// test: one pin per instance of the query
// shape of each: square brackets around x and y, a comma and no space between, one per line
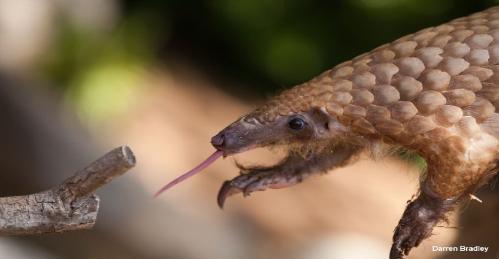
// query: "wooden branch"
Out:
[69,206]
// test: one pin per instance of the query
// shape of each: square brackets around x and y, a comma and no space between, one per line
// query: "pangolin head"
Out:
[300,116]
[297,115]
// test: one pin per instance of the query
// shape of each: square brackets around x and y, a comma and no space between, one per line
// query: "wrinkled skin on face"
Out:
[299,128]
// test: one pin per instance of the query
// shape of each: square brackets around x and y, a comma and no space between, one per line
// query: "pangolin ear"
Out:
[321,120]
[325,124]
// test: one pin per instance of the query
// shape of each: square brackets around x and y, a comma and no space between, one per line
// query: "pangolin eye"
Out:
[296,124]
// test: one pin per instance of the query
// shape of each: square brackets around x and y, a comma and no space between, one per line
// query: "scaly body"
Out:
[435,92]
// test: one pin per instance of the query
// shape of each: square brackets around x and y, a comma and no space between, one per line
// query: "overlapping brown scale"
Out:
[495,32]
[455,66]
[480,28]
[389,127]
[468,126]
[441,40]
[341,85]
[493,24]
[494,54]
[466,81]
[490,92]
[460,97]
[324,97]
[341,72]
[438,134]
[377,113]
[461,35]
[477,20]
[385,95]
[365,80]
[481,109]
[482,73]
[431,56]
[479,41]
[354,111]
[478,57]
[363,126]
[403,111]
[434,79]
[493,12]
[384,72]
[411,66]
[383,56]
[362,66]
[495,74]
[456,49]
[447,115]
[306,102]
[362,97]
[404,48]
[408,87]
[428,101]
[424,37]
[334,109]
[444,28]
[420,124]
[341,97]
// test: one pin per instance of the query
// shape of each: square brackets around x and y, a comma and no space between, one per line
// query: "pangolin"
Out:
[434,92]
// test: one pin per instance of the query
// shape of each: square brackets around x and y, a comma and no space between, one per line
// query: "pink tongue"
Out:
[192,172]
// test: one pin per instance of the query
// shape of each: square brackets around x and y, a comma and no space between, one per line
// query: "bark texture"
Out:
[69,206]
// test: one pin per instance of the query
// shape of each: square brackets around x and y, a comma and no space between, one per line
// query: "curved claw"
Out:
[244,183]
[399,250]
[225,191]
[396,252]
[417,223]
[258,179]
[410,236]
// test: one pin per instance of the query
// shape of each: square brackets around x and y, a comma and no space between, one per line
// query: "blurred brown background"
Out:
[79,77]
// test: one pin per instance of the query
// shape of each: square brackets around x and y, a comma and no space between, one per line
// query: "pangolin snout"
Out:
[218,141]
[235,138]
[228,140]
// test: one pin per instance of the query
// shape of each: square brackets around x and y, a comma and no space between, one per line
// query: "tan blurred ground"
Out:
[169,128]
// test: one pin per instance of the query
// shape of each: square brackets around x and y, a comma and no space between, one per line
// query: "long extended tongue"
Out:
[192,172]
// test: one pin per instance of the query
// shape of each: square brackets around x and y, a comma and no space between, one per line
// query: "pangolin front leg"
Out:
[290,171]
[447,184]
[417,223]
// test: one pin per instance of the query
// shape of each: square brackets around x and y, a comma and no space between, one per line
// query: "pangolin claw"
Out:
[419,218]
[397,253]
[404,244]
[225,191]
[243,183]
[257,180]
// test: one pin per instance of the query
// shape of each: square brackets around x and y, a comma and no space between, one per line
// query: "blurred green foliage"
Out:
[268,45]
[98,71]
[276,44]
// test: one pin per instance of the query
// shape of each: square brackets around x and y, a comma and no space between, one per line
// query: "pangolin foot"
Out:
[417,223]
[256,180]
